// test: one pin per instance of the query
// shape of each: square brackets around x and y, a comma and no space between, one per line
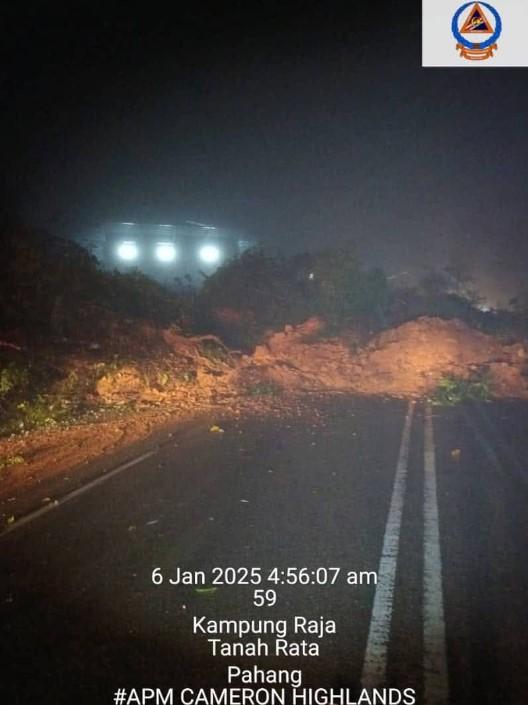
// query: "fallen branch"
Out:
[11,346]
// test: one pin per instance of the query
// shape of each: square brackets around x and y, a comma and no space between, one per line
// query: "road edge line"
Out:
[375,661]
[54,504]
[436,676]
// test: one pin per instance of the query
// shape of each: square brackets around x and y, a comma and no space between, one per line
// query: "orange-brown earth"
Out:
[407,361]
[186,376]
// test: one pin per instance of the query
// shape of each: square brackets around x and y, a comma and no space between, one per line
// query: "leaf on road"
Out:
[216,429]
[205,590]
[455,454]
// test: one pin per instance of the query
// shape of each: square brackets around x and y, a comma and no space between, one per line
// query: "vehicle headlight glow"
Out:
[128,251]
[165,252]
[209,254]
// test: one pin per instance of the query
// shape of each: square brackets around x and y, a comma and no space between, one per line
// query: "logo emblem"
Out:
[476,30]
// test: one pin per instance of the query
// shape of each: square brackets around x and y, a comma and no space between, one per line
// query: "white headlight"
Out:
[165,252]
[128,251]
[209,254]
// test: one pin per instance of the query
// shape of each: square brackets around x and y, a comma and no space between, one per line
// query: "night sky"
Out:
[306,126]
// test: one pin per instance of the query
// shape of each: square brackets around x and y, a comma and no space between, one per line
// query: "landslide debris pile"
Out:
[407,361]
[190,369]
[88,402]
[43,386]
[163,367]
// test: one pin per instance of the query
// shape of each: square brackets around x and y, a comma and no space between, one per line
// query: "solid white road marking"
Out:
[436,680]
[375,663]
[31,516]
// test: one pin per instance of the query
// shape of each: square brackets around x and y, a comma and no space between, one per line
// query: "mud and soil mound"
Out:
[167,376]
[407,361]
[180,368]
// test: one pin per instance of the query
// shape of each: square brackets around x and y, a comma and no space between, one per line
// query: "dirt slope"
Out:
[407,361]
[178,377]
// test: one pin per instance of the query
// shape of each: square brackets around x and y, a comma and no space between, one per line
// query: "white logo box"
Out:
[439,44]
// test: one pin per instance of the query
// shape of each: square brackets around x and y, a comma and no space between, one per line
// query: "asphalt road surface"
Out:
[431,500]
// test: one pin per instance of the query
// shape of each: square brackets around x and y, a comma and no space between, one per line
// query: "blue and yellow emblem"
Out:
[476,31]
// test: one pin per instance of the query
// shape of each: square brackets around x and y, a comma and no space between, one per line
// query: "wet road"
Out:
[433,501]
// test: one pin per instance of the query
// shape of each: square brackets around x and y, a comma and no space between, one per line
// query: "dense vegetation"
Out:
[53,287]
[54,296]
[55,301]
[259,292]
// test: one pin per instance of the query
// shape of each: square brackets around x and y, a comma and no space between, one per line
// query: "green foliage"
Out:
[11,460]
[35,393]
[453,390]
[518,316]
[101,369]
[214,350]
[268,292]
[134,295]
[345,294]
[162,379]
[51,285]
[13,377]
[440,294]
[41,411]
[453,280]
